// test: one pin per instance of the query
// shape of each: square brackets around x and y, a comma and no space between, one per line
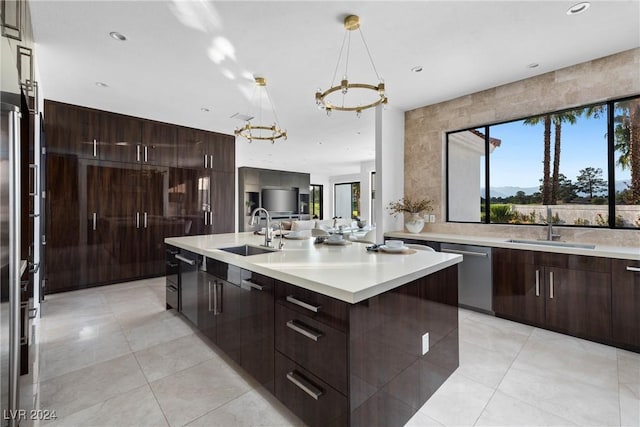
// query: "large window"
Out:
[577,167]
[316,201]
[347,200]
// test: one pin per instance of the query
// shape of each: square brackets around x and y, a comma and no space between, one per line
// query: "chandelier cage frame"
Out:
[248,131]
[351,23]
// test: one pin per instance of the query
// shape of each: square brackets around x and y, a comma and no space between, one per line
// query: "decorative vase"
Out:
[415,223]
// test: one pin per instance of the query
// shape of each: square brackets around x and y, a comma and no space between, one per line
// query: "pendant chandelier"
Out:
[376,93]
[261,132]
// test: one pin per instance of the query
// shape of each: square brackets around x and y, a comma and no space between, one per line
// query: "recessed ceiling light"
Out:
[118,36]
[417,69]
[204,110]
[578,8]
[533,65]
[100,84]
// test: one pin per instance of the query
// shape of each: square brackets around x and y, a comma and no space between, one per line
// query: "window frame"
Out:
[610,173]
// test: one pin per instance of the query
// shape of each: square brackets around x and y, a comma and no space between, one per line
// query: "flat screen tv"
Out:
[280,200]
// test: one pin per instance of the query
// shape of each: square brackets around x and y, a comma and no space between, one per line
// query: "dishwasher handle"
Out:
[470,253]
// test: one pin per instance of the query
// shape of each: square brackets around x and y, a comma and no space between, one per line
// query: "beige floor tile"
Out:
[503,410]
[173,356]
[581,402]
[157,328]
[458,402]
[485,366]
[494,337]
[86,387]
[421,420]
[628,367]
[630,405]
[136,408]
[191,393]
[250,409]
[61,358]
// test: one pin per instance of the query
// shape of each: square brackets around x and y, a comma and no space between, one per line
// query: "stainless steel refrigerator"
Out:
[10,263]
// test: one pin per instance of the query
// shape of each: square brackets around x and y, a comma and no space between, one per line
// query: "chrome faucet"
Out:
[267,231]
[550,234]
[281,244]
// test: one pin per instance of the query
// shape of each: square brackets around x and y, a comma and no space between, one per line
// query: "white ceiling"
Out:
[166,70]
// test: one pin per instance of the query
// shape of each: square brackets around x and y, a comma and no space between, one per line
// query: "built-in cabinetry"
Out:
[116,186]
[625,292]
[567,293]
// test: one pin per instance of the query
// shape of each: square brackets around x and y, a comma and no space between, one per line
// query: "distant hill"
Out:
[511,191]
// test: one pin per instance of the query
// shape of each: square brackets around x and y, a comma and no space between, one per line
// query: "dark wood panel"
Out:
[120,138]
[625,288]
[161,142]
[515,293]
[326,357]
[207,319]
[579,302]
[223,148]
[331,407]
[574,262]
[223,202]
[71,129]
[192,146]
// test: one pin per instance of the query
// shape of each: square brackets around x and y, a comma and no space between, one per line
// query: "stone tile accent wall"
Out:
[602,79]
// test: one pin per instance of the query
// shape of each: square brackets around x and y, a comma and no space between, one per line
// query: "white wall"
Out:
[389,168]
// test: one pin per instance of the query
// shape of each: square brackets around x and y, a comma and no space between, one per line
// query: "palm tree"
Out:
[559,118]
[626,140]
[546,175]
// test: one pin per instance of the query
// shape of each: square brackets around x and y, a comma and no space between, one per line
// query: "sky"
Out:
[517,162]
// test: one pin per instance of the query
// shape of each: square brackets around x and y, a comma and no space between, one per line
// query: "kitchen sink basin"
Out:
[246,250]
[551,243]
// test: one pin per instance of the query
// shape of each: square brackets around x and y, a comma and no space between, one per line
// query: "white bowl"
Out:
[335,237]
[394,243]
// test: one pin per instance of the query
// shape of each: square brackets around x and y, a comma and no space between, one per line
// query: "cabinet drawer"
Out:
[322,308]
[573,262]
[314,345]
[172,296]
[310,398]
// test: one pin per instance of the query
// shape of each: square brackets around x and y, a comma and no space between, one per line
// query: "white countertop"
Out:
[349,273]
[501,242]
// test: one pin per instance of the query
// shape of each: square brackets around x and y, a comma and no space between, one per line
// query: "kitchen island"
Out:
[357,338]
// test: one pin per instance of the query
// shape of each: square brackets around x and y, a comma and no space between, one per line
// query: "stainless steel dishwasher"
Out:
[475,290]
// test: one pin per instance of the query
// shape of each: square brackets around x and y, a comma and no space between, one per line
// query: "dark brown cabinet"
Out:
[206,150]
[566,293]
[625,290]
[114,193]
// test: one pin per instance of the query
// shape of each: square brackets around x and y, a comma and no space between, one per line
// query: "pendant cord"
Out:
[335,72]
[369,54]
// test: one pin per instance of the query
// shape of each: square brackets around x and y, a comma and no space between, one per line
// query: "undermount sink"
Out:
[246,250]
[551,243]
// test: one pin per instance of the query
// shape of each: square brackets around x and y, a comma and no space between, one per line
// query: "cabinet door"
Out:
[208,288]
[193,189]
[72,130]
[153,204]
[120,138]
[223,202]
[62,223]
[257,328]
[518,291]
[95,240]
[229,311]
[579,302]
[625,280]
[192,146]
[223,149]
[159,141]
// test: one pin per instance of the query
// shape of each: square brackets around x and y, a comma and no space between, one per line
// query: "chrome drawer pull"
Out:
[537,283]
[551,285]
[172,289]
[294,300]
[249,284]
[292,324]
[186,260]
[637,269]
[304,385]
